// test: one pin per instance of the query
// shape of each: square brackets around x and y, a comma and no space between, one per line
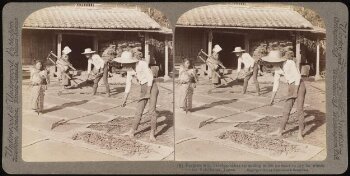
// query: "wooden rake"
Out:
[64,121]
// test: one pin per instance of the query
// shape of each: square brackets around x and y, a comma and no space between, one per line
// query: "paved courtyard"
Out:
[94,125]
[241,133]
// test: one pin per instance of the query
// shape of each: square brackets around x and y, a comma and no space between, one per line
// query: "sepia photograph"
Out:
[175,88]
[250,83]
[96,84]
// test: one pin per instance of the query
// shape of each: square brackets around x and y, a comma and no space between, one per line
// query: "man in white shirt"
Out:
[149,90]
[296,89]
[100,69]
[250,68]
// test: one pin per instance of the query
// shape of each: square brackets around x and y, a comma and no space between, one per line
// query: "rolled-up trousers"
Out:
[105,80]
[255,79]
[300,105]
[152,106]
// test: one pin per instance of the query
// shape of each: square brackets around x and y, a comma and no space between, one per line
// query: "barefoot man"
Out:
[100,70]
[250,68]
[296,89]
[149,90]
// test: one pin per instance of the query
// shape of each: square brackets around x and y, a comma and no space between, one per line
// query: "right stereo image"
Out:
[250,83]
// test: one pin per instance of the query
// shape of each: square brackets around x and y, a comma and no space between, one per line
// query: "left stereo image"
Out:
[96,84]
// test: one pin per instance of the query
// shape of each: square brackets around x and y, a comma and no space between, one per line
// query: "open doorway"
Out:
[77,43]
[228,42]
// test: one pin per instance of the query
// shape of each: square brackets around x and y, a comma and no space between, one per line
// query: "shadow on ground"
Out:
[168,122]
[319,120]
[65,105]
[217,103]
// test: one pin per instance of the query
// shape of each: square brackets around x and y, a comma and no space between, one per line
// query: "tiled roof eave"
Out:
[245,28]
[95,29]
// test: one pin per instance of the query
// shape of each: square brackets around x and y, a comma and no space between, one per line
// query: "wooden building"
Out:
[80,27]
[245,26]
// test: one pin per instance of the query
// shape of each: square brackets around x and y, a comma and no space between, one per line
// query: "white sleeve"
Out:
[292,71]
[296,74]
[128,82]
[249,58]
[276,81]
[89,66]
[239,65]
[31,74]
[149,74]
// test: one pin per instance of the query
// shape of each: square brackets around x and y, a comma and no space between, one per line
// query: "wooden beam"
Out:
[210,42]
[59,52]
[95,44]
[297,50]
[146,54]
[229,31]
[210,47]
[246,43]
[59,45]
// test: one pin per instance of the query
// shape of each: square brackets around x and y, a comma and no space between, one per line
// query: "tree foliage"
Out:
[310,15]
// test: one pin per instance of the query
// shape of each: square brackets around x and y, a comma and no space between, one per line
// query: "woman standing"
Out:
[63,64]
[187,82]
[214,65]
[39,80]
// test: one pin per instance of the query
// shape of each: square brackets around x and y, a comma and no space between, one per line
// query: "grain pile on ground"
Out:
[118,126]
[269,124]
[121,125]
[129,147]
[275,145]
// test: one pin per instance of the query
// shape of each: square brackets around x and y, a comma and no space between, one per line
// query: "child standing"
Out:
[187,81]
[39,80]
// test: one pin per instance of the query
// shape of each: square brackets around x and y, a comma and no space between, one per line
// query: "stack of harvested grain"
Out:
[263,47]
[260,51]
[115,48]
[159,45]
[109,53]
[133,46]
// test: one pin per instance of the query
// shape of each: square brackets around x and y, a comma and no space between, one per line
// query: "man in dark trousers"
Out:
[99,71]
[250,69]
[296,89]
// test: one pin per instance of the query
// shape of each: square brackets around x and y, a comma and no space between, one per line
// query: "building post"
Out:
[210,47]
[59,52]
[59,45]
[210,42]
[297,51]
[166,67]
[146,46]
[246,43]
[95,43]
[318,76]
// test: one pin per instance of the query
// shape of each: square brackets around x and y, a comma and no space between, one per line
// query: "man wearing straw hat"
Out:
[215,64]
[250,68]
[63,64]
[99,71]
[296,89]
[149,90]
